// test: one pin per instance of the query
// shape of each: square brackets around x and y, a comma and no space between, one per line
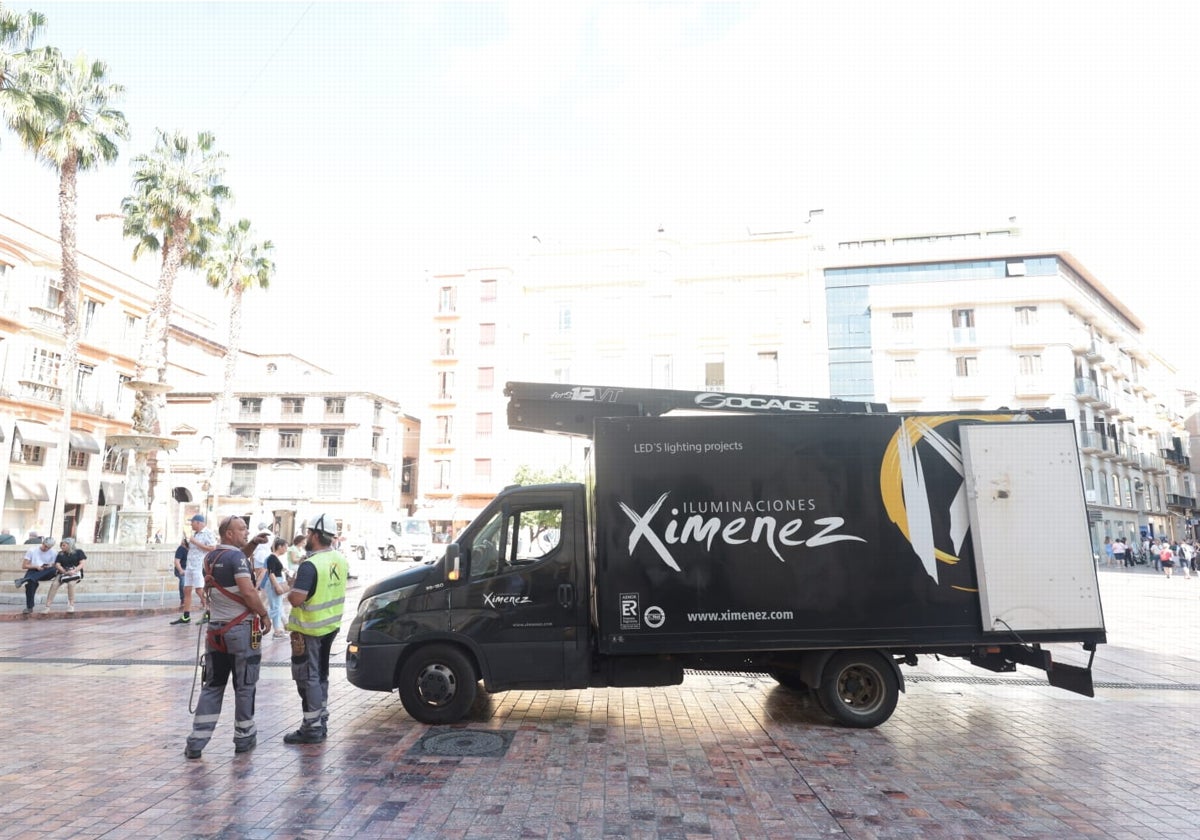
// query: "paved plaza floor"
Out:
[95,709]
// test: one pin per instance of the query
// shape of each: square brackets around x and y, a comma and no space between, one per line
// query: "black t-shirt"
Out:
[274,567]
[70,559]
[181,555]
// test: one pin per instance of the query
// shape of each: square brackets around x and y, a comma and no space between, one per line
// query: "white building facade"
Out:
[944,321]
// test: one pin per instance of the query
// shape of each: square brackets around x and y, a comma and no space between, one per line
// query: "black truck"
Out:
[823,543]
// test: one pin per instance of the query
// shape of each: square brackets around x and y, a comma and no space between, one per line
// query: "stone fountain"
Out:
[133,520]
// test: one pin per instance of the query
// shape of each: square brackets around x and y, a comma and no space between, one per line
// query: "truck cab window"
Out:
[522,538]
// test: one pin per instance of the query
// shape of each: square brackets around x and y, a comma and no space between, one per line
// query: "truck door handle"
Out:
[566,595]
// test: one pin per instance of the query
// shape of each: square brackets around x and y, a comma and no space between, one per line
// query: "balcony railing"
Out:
[963,337]
[1152,463]
[1085,390]
[1098,443]
[1174,500]
[51,318]
[39,391]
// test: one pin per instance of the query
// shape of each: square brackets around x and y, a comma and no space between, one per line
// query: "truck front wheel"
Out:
[858,688]
[389,553]
[437,685]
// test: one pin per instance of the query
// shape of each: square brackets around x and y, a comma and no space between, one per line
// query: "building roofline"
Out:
[1064,256]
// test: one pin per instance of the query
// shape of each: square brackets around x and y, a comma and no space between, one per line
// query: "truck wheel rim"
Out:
[860,688]
[437,684]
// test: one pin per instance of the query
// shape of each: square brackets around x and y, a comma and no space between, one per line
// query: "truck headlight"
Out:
[378,602]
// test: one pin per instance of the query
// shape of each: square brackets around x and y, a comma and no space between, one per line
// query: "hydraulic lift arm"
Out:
[572,409]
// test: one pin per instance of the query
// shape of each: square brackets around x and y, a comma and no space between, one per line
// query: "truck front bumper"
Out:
[373,667]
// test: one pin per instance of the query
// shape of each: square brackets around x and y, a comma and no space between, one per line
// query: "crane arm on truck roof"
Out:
[572,409]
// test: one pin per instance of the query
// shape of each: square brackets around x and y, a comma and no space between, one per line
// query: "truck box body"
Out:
[752,533]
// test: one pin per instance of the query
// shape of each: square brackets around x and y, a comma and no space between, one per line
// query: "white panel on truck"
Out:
[1033,553]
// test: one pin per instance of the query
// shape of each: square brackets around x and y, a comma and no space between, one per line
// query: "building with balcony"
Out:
[460,467]
[34,387]
[296,440]
[995,324]
[297,436]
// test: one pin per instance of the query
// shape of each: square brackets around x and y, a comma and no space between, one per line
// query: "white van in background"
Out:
[409,538]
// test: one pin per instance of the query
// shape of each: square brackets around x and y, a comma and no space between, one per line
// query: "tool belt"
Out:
[215,636]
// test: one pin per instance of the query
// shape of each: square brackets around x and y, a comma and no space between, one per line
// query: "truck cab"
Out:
[506,604]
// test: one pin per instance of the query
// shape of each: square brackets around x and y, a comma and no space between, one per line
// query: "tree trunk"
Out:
[225,407]
[69,371]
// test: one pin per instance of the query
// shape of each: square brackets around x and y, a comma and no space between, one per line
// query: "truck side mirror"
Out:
[453,571]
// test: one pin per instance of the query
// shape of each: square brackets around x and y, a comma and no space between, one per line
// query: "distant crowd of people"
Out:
[1163,554]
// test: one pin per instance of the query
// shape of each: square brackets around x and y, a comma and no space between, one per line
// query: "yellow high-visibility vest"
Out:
[321,614]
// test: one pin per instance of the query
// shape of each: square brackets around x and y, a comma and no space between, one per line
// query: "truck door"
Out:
[524,600]
[1033,553]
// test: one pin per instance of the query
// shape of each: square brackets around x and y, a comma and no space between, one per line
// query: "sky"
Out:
[375,142]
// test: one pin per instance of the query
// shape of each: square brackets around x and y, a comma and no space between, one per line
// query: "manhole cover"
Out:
[463,742]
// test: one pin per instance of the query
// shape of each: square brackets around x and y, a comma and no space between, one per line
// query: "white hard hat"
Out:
[323,523]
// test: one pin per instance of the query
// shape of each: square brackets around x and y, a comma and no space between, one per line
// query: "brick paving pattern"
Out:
[96,711]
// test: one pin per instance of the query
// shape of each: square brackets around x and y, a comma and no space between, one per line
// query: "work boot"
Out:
[191,752]
[246,746]
[183,619]
[302,737]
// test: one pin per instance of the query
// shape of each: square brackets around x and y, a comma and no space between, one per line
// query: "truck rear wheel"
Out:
[390,552]
[858,688]
[437,685]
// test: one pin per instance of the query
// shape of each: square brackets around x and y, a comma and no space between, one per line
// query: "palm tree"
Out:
[17,32]
[174,208]
[20,64]
[72,131]
[238,263]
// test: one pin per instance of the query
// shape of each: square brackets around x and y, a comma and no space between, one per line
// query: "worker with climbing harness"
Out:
[317,596]
[233,638]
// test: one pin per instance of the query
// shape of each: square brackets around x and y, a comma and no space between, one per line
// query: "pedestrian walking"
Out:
[38,564]
[200,543]
[181,553]
[69,566]
[1108,551]
[1119,553]
[317,598]
[232,642]
[1166,557]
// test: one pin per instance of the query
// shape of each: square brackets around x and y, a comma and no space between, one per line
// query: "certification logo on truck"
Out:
[631,613]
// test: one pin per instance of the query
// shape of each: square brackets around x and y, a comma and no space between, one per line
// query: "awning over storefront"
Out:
[79,492]
[27,491]
[82,441]
[36,434]
[112,493]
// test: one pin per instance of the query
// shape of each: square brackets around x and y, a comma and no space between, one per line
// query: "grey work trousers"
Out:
[310,670]
[242,663]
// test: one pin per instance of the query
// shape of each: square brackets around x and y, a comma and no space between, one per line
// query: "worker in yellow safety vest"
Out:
[317,596]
